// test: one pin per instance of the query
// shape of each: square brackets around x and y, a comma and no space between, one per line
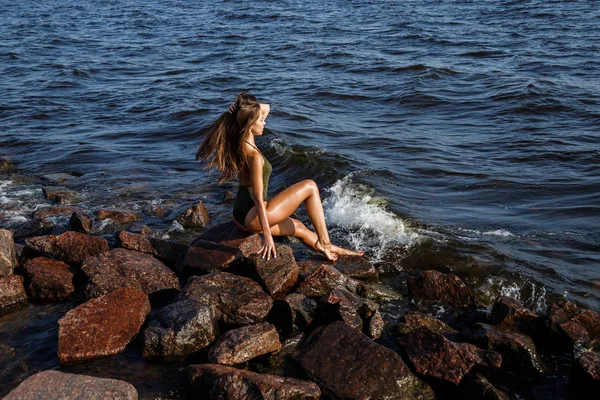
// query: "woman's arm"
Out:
[256,163]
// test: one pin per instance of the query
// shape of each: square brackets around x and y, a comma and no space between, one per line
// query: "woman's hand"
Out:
[268,248]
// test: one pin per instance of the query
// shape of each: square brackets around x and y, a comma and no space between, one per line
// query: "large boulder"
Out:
[277,275]
[195,216]
[180,328]
[56,211]
[70,247]
[432,355]
[117,215]
[415,319]
[55,385]
[8,254]
[121,267]
[352,266]
[436,287]
[60,194]
[228,234]
[33,227]
[239,300]
[323,280]
[12,293]
[204,257]
[509,314]
[165,250]
[215,382]
[102,326]
[243,344]
[348,365]
[48,279]
[570,325]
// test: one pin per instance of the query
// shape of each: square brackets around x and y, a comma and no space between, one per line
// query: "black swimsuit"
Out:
[244,201]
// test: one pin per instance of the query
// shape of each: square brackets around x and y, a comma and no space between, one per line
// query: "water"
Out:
[455,135]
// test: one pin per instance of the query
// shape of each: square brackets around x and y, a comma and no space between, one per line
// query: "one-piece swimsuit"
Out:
[244,201]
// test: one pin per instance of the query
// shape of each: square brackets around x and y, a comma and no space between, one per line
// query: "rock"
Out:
[55,385]
[12,293]
[180,328]
[243,344]
[60,194]
[414,319]
[377,292]
[102,326]
[352,266]
[121,267]
[80,223]
[302,310]
[509,314]
[440,288]
[8,254]
[58,178]
[477,387]
[206,257]
[228,234]
[56,211]
[33,227]
[322,280]
[240,300]
[585,374]
[117,215]
[215,381]
[165,250]
[6,165]
[194,217]
[283,360]
[228,196]
[277,275]
[518,352]
[70,247]
[570,325]
[432,355]
[48,279]
[357,312]
[348,365]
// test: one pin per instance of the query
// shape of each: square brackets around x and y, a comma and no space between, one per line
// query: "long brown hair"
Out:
[223,145]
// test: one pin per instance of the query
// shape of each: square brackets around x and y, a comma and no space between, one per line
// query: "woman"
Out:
[229,147]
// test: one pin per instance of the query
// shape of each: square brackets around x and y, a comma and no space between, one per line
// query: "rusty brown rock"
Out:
[414,319]
[357,312]
[278,275]
[195,216]
[55,385]
[440,288]
[352,266]
[431,354]
[80,223]
[205,257]
[117,215]
[56,211]
[70,247]
[240,300]
[60,194]
[228,234]
[325,278]
[348,365]
[571,325]
[585,374]
[302,310]
[48,279]
[165,250]
[121,268]
[243,344]
[509,314]
[12,292]
[216,381]
[228,196]
[8,254]
[102,326]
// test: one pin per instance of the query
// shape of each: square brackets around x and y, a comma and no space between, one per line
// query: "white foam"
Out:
[363,219]
[499,232]
[536,299]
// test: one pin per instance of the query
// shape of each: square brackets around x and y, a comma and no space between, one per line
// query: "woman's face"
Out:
[259,125]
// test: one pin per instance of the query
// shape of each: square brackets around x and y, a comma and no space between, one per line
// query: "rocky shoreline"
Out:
[238,326]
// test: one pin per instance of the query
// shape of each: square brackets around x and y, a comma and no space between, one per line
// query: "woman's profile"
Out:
[229,147]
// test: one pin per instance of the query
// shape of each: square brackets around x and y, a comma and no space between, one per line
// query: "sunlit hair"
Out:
[222,147]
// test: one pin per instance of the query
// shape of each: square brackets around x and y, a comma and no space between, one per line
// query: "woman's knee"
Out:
[310,185]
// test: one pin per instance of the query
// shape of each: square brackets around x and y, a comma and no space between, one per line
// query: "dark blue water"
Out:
[456,135]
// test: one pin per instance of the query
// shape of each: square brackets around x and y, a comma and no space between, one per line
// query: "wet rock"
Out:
[8,254]
[121,267]
[431,354]
[194,217]
[352,266]
[477,387]
[278,275]
[6,165]
[378,292]
[440,288]
[117,215]
[228,234]
[56,211]
[12,293]
[243,344]
[55,385]
[240,300]
[302,310]
[325,278]
[102,326]
[180,328]
[509,314]
[570,325]
[33,227]
[205,257]
[518,352]
[70,247]
[228,196]
[585,375]
[357,312]
[48,279]
[348,365]
[414,319]
[166,250]
[283,359]
[216,381]
[58,178]
[80,223]
[60,194]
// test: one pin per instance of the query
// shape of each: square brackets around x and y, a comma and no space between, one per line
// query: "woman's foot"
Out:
[346,252]
[325,249]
